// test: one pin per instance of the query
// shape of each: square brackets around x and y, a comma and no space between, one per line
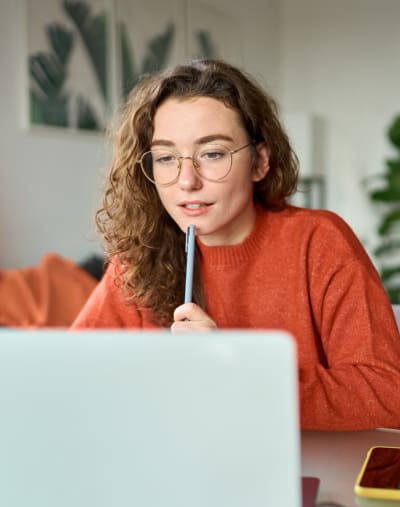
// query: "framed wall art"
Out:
[67,59]
[84,56]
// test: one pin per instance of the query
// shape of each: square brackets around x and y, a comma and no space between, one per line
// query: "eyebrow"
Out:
[200,141]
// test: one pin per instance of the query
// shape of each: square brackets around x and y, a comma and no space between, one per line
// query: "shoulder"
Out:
[312,220]
[316,230]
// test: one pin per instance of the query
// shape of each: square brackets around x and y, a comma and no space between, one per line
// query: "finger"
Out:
[182,326]
[189,311]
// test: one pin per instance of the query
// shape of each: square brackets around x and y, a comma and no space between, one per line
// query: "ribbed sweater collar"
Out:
[233,255]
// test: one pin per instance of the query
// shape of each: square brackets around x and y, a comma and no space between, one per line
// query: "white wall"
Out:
[338,61]
[341,62]
[49,181]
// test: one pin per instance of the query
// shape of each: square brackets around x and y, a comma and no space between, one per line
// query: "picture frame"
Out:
[67,63]
[83,57]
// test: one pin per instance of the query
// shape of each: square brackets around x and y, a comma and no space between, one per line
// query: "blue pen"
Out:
[190,247]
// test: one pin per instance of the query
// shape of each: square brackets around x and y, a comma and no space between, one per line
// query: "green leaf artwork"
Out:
[206,45]
[48,72]
[156,56]
[50,102]
[53,99]
[92,30]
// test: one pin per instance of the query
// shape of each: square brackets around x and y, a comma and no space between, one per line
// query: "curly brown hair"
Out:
[136,228]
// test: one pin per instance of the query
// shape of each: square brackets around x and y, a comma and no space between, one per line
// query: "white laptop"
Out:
[148,419]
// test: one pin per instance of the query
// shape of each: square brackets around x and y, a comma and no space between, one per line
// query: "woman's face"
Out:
[223,212]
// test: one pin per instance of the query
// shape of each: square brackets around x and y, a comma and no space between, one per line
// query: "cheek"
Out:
[244,181]
[164,196]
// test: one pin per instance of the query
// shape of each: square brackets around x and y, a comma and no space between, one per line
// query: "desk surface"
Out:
[336,458]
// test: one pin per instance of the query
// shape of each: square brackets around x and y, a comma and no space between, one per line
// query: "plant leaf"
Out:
[87,118]
[206,45]
[61,41]
[388,221]
[387,273]
[388,247]
[129,74]
[394,295]
[49,111]
[393,165]
[158,50]
[393,132]
[389,194]
[92,30]
[47,72]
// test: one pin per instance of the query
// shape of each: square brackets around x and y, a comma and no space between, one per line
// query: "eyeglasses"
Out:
[211,162]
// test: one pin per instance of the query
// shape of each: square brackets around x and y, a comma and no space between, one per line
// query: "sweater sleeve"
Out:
[355,383]
[106,308]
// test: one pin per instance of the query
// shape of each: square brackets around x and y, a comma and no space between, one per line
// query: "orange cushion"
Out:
[48,295]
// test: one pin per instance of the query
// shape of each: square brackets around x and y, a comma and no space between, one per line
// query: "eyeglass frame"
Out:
[195,165]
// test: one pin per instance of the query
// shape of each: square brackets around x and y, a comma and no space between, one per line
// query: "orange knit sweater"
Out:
[303,271]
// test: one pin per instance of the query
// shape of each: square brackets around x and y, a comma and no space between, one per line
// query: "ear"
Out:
[261,166]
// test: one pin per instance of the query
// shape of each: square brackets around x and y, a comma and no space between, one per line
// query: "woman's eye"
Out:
[212,154]
[164,159]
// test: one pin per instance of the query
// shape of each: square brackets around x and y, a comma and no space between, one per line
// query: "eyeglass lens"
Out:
[162,166]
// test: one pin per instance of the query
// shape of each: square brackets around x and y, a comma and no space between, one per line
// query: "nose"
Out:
[188,176]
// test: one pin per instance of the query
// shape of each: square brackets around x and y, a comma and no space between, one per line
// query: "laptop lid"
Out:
[149,419]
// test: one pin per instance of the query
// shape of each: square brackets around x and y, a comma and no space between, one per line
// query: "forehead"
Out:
[195,117]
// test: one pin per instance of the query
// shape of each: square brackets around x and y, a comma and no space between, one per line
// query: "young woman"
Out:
[202,144]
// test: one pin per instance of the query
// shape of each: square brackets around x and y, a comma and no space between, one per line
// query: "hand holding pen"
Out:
[189,316]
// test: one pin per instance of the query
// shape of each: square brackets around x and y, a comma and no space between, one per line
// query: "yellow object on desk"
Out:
[336,458]
[379,476]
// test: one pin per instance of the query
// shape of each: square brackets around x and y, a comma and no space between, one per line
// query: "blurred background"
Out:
[334,68]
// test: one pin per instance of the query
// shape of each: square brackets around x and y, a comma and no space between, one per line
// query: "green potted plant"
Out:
[388,195]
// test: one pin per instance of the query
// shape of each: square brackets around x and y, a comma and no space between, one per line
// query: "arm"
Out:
[106,308]
[355,383]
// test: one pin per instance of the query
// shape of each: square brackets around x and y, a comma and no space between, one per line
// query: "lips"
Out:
[194,208]
[194,205]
